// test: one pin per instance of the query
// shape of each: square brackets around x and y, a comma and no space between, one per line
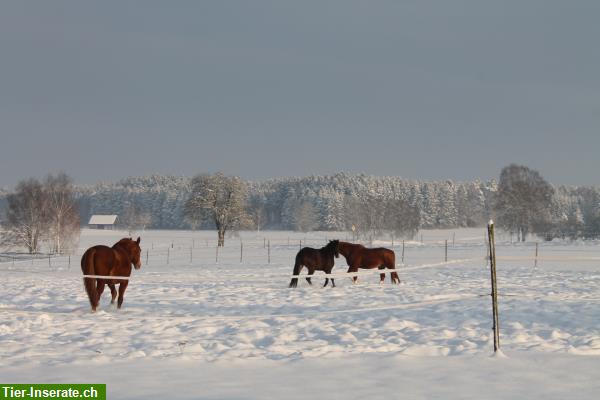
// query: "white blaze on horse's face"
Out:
[137,262]
[137,251]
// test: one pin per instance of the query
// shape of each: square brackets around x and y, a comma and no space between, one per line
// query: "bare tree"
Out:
[523,201]
[257,212]
[26,216]
[306,217]
[371,215]
[134,218]
[402,218]
[63,215]
[220,199]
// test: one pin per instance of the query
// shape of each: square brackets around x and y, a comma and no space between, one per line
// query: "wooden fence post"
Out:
[269,252]
[446,251]
[492,247]
[402,251]
[536,255]
[146,256]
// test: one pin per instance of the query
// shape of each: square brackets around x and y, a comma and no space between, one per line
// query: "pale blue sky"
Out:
[420,89]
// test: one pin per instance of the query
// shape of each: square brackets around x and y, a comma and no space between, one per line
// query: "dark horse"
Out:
[316,260]
[109,261]
[358,256]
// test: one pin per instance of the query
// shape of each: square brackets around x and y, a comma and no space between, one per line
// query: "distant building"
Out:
[102,221]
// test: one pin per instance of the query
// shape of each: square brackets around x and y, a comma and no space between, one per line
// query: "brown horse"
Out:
[316,260]
[109,261]
[358,256]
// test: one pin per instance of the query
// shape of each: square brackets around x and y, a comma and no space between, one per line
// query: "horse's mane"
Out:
[354,245]
[330,247]
[124,241]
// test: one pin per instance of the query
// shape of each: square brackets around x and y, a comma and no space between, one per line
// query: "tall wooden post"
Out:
[536,255]
[446,251]
[402,251]
[492,247]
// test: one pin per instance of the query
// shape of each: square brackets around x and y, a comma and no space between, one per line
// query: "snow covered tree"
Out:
[220,199]
[523,200]
[26,220]
[135,218]
[62,211]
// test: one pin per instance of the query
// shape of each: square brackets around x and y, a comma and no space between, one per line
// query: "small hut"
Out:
[102,222]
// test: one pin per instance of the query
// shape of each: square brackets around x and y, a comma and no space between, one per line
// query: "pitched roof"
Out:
[103,220]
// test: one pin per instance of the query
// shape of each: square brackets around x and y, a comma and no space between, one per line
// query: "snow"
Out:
[234,330]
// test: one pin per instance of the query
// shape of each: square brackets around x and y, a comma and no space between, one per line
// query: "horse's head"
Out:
[334,247]
[133,249]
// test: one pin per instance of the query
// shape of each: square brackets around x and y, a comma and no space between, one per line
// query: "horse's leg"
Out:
[354,278]
[381,276]
[327,271]
[122,287]
[310,272]
[113,292]
[99,289]
[394,276]
[297,268]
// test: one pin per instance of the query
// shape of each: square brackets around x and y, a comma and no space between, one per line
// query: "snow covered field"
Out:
[195,328]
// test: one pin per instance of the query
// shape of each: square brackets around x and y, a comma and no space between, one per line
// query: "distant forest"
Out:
[307,203]
[328,202]
[321,202]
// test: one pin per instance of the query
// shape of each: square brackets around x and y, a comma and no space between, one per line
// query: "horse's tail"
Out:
[297,268]
[87,267]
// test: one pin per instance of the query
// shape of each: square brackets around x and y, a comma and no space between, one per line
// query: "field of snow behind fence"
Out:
[184,304]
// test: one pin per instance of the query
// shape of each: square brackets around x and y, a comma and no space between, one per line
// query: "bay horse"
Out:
[110,261]
[358,256]
[316,260]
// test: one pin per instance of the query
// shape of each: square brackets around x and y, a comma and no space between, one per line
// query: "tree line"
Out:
[522,202]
